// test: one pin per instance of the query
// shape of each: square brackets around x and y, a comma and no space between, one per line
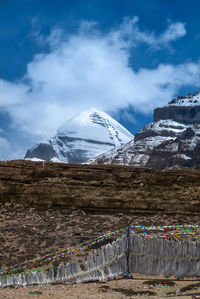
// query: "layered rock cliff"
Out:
[182,109]
[99,187]
[172,140]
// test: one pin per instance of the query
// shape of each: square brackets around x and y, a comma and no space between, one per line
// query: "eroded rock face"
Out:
[187,114]
[182,109]
[43,151]
[172,140]
[99,187]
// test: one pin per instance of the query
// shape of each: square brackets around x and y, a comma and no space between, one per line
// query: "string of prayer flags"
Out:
[48,258]
[170,231]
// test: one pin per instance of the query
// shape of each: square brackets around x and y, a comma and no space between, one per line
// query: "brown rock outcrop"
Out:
[187,115]
[182,109]
[99,187]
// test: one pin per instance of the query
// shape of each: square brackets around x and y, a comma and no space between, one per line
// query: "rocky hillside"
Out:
[85,201]
[172,140]
[98,187]
[85,136]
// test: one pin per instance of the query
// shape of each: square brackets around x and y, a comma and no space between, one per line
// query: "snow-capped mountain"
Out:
[165,142]
[85,136]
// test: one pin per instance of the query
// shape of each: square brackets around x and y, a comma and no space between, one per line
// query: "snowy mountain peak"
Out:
[95,125]
[83,137]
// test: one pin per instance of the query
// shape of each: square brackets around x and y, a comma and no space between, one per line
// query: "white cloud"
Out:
[4,148]
[154,88]
[173,32]
[12,93]
[91,69]
[129,34]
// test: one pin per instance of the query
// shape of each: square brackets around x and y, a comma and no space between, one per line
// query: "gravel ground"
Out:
[122,288]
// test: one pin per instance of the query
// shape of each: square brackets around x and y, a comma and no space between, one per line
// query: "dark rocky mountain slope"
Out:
[172,140]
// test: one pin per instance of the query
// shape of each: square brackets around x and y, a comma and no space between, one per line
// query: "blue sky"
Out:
[59,57]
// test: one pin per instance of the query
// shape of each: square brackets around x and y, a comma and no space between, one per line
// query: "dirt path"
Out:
[123,288]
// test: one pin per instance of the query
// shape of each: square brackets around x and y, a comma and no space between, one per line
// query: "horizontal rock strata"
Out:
[99,187]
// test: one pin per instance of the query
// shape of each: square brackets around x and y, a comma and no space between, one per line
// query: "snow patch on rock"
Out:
[189,100]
